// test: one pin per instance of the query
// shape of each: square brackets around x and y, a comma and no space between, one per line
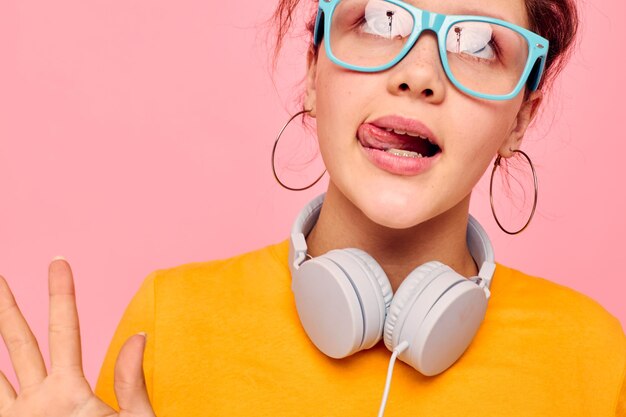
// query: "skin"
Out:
[405,221]
[402,221]
[63,391]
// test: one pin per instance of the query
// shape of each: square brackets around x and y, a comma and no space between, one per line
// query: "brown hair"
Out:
[555,20]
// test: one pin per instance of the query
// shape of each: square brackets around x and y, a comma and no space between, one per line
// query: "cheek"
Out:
[475,135]
[341,94]
[342,98]
[481,129]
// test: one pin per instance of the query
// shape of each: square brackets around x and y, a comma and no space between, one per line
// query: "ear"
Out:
[310,97]
[525,115]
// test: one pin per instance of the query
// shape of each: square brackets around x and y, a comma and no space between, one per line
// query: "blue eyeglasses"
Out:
[482,56]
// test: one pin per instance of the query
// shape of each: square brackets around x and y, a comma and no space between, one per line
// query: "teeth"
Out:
[402,152]
[412,134]
[402,132]
[415,135]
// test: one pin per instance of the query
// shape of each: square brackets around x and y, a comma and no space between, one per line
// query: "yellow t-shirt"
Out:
[224,339]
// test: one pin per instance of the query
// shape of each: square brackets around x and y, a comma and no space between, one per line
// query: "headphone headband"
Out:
[477,240]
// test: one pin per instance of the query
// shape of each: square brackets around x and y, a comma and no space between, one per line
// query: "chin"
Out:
[395,223]
[396,211]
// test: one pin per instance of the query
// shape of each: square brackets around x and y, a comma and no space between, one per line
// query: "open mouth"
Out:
[396,142]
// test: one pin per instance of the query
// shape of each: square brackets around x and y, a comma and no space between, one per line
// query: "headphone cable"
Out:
[398,350]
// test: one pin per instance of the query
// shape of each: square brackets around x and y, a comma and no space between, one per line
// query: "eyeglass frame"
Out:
[440,24]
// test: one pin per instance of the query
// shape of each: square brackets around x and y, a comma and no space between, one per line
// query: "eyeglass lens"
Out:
[484,57]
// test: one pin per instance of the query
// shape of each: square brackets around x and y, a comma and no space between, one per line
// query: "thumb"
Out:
[128,381]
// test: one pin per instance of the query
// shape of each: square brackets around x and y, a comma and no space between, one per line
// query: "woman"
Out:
[405,130]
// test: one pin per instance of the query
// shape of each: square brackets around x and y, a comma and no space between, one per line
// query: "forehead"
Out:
[513,11]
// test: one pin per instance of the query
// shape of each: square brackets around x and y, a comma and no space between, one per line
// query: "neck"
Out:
[398,251]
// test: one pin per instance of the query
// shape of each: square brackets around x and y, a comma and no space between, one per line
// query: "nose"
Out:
[420,74]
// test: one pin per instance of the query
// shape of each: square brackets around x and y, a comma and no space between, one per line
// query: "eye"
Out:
[475,39]
[489,51]
[386,20]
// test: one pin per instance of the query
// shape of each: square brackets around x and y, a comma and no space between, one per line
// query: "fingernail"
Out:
[143,334]
[58,257]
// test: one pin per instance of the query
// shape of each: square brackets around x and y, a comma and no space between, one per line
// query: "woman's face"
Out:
[401,193]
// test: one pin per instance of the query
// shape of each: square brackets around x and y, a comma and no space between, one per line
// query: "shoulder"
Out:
[546,297]
[558,308]
[270,256]
[262,266]
[562,326]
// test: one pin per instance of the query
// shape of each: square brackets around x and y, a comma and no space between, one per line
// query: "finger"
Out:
[21,343]
[129,382]
[65,353]
[7,393]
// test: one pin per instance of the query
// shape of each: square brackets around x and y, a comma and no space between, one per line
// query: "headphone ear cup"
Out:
[371,287]
[381,295]
[439,313]
[340,302]
[409,288]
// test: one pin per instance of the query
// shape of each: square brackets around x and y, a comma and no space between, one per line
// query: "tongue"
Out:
[372,136]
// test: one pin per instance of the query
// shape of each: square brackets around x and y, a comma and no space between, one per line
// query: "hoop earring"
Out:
[532,213]
[274,153]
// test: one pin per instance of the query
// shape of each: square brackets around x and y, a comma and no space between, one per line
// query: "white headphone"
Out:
[345,302]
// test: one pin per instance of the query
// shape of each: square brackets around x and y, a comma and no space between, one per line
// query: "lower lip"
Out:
[399,165]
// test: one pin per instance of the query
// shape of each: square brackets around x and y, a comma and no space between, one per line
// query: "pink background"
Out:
[136,135]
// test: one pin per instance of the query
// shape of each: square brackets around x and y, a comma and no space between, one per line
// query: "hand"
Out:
[64,392]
